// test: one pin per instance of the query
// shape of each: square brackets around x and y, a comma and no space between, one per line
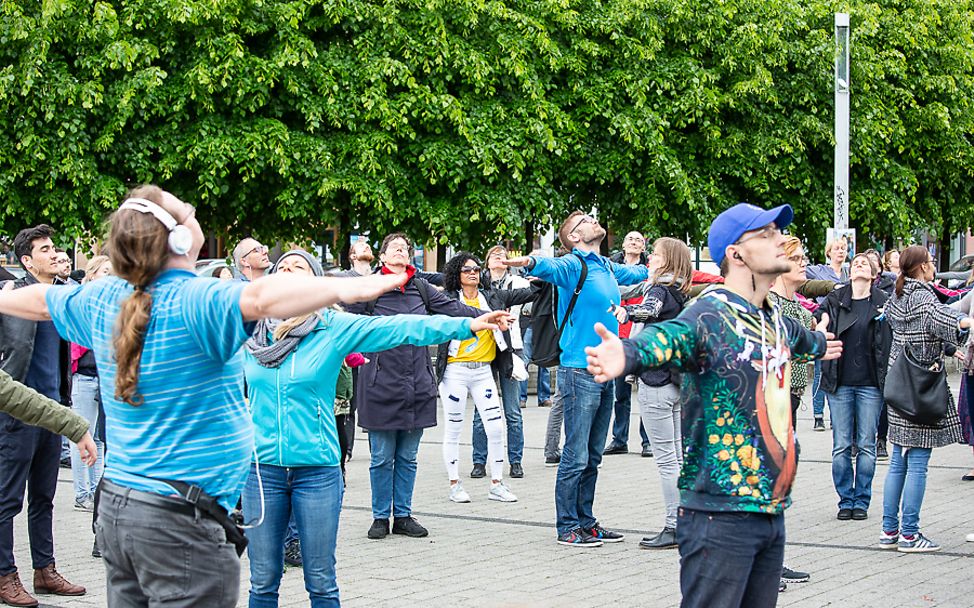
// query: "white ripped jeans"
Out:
[458,380]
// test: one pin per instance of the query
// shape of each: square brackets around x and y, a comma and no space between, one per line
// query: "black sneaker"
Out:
[292,553]
[578,538]
[881,452]
[782,586]
[819,425]
[666,539]
[793,576]
[517,471]
[606,536]
[95,551]
[552,461]
[379,529]
[615,449]
[65,463]
[859,514]
[844,514]
[408,526]
[647,451]
[478,471]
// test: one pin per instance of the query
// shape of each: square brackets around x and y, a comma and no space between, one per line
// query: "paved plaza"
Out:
[487,553]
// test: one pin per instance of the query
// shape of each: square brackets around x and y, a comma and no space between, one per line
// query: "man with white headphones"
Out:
[33,353]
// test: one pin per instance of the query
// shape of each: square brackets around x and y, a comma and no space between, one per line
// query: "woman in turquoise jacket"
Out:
[292,369]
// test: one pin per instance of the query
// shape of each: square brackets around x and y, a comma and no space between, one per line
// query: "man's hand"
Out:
[499,319]
[88,450]
[833,347]
[522,261]
[607,360]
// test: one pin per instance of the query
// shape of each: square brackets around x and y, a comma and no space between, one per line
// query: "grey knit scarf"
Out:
[270,354]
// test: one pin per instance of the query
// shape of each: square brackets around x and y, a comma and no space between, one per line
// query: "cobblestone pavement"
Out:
[487,553]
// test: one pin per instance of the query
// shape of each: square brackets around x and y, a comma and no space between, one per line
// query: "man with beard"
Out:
[360,254]
[587,404]
[735,350]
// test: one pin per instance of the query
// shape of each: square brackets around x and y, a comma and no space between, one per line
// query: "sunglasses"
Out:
[470,269]
[585,218]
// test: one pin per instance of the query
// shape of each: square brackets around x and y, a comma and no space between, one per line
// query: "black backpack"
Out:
[545,332]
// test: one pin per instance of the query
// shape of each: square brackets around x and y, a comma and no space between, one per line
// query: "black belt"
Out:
[171,504]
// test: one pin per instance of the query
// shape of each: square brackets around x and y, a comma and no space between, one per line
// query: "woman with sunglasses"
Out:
[292,368]
[468,366]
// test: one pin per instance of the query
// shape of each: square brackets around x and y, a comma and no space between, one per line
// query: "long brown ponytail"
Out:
[139,250]
[911,259]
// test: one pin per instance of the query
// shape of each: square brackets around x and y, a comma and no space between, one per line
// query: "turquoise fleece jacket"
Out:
[293,404]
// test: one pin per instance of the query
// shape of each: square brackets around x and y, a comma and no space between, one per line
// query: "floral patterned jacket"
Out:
[739,445]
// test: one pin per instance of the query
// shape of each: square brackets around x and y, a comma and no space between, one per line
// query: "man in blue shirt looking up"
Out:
[588,404]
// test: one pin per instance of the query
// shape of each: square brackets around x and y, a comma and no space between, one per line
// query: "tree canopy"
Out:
[461,120]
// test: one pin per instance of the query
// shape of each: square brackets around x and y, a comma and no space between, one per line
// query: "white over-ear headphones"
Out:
[180,237]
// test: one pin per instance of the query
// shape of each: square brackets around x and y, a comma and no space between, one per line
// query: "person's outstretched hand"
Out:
[522,261]
[499,319]
[607,360]
[833,347]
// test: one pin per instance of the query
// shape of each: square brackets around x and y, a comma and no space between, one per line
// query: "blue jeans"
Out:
[515,427]
[392,471]
[622,409]
[818,395]
[855,416]
[729,560]
[314,496]
[588,408]
[544,377]
[84,401]
[906,480]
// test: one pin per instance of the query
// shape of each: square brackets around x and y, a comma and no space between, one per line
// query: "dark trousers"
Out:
[622,409]
[29,459]
[883,430]
[158,557]
[730,560]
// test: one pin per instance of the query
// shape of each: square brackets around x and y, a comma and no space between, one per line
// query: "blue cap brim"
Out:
[781,216]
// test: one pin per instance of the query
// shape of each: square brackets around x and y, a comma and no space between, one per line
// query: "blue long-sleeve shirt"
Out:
[600,292]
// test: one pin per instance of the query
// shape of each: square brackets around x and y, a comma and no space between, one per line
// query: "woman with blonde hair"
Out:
[86,401]
[658,393]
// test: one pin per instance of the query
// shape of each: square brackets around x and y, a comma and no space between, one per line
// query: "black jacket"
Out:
[17,347]
[396,389]
[838,305]
[661,303]
[497,299]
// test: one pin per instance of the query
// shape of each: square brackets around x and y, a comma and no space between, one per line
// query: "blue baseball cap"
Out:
[728,227]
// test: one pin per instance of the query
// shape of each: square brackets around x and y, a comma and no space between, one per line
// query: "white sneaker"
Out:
[458,494]
[969,538]
[498,491]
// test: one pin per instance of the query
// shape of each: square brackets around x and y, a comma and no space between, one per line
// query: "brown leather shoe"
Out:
[12,591]
[49,580]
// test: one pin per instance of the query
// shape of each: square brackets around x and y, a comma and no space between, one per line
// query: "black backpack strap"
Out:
[369,308]
[423,287]
[574,300]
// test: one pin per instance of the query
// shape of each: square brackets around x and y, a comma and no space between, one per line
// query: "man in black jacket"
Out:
[34,354]
[396,392]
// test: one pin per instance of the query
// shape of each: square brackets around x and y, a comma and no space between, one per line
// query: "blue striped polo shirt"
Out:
[193,425]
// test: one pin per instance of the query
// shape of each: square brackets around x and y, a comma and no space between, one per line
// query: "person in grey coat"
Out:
[925,326]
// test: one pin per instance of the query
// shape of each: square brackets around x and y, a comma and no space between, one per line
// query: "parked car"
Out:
[212,267]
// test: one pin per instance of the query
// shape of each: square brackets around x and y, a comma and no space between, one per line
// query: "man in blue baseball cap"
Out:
[735,351]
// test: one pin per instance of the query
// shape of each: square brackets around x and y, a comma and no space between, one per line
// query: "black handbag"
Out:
[917,392]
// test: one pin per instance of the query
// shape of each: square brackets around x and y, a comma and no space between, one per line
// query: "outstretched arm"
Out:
[670,342]
[284,296]
[26,302]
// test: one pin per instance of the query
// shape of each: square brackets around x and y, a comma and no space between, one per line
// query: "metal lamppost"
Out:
[841,194]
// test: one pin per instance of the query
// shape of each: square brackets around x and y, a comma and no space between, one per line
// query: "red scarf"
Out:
[410,272]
